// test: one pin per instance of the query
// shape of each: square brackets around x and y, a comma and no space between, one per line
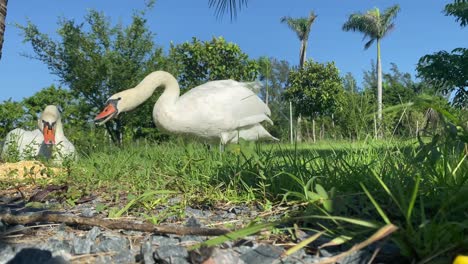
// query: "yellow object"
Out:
[461,260]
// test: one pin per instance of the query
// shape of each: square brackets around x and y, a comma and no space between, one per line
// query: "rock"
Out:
[88,212]
[147,253]
[93,233]
[6,252]
[221,256]
[81,246]
[112,244]
[124,256]
[171,254]
[190,238]
[189,211]
[164,240]
[56,245]
[262,254]
[193,222]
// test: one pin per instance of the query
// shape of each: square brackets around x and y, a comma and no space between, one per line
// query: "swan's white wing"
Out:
[226,104]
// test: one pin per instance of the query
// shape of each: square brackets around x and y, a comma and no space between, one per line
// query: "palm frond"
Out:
[369,43]
[386,19]
[297,25]
[230,6]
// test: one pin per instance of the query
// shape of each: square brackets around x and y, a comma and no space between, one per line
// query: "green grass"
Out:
[424,191]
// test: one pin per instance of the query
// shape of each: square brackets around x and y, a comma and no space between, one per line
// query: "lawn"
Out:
[423,191]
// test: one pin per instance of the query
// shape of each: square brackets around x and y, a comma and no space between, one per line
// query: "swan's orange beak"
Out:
[108,111]
[49,134]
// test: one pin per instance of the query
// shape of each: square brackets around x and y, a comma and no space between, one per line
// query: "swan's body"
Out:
[48,141]
[222,111]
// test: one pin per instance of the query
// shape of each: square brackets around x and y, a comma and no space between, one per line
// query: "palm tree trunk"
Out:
[302,53]
[379,91]
[3,13]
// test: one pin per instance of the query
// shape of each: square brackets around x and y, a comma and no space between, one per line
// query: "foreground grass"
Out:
[423,191]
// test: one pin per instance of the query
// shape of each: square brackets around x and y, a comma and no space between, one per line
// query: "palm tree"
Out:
[302,28]
[3,13]
[374,26]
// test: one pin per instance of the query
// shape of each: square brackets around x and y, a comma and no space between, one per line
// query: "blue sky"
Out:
[421,28]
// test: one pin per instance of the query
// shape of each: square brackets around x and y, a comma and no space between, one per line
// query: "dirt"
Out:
[26,169]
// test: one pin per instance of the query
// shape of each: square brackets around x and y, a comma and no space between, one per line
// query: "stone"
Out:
[171,254]
[93,233]
[147,253]
[88,212]
[124,256]
[190,238]
[164,240]
[81,246]
[112,244]
[6,252]
[221,256]
[56,245]
[193,222]
[263,254]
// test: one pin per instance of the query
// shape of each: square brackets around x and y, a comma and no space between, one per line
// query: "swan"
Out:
[48,141]
[218,111]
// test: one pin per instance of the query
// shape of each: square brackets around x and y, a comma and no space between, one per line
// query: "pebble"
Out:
[171,254]
[262,254]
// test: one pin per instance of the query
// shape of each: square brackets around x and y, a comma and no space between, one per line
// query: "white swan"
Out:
[48,141]
[217,111]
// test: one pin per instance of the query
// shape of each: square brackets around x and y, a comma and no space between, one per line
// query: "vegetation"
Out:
[374,26]
[345,186]
[301,26]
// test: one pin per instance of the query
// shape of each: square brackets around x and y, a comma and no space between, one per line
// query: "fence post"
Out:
[291,122]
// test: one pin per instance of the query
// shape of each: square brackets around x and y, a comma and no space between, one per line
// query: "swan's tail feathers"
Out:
[255,119]
[256,132]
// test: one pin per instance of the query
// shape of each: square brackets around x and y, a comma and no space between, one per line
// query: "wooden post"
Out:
[375,127]
[313,130]
[417,127]
[291,122]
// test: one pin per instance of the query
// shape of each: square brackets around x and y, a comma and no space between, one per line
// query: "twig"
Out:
[54,217]
[381,233]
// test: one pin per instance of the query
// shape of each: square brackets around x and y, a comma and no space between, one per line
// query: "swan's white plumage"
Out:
[215,111]
[30,144]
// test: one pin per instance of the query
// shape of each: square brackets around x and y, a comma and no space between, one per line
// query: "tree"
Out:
[374,26]
[458,9]
[11,116]
[448,72]
[316,89]
[273,74]
[199,62]
[3,13]
[398,87]
[301,26]
[349,83]
[100,61]
[68,105]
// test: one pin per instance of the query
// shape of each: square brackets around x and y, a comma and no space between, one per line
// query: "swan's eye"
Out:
[119,98]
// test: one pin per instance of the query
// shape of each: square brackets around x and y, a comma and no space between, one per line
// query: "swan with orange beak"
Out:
[48,141]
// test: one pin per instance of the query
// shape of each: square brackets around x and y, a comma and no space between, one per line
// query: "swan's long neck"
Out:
[146,87]
[59,135]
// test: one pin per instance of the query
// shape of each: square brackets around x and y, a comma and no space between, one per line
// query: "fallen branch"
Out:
[54,217]
[380,234]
